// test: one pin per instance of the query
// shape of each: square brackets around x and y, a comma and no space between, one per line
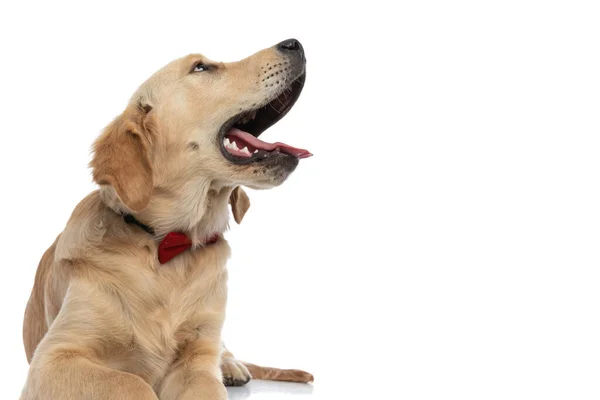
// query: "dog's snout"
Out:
[291,46]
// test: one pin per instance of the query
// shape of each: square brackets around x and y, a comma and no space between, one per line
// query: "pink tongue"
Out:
[259,144]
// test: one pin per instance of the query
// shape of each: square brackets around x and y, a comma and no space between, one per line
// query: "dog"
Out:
[129,301]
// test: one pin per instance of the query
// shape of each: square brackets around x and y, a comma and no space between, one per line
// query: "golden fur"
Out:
[105,320]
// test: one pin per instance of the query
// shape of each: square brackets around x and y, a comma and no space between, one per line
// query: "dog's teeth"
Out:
[245,150]
[234,146]
[226,142]
[253,115]
[255,151]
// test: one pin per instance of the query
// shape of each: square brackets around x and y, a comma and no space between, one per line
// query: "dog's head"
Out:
[197,122]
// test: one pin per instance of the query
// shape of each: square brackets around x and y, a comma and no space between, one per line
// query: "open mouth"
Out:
[239,136]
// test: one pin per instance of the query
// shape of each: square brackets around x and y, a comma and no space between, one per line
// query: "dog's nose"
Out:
[291,46]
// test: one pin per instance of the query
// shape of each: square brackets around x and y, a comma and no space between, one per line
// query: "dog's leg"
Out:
[66,364]
[196,374]
[238,373]
[276,374]
[69,373]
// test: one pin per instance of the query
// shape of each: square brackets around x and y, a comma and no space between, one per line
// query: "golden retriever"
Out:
[114,313]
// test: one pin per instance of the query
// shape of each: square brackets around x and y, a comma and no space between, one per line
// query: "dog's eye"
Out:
[200,67]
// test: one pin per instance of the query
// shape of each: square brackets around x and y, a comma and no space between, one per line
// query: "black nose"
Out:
[291,45]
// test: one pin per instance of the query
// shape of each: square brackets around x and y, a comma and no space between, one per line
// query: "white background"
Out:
[443,242]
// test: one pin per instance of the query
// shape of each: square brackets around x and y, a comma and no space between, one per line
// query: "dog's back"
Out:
[34,323]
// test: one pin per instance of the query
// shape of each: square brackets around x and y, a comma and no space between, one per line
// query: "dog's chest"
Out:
[177,303]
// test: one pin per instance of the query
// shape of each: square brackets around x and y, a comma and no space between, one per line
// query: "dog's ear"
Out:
[122,156]
[240,203]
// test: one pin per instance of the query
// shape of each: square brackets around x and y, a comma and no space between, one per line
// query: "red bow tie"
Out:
[173,244]
[176,243]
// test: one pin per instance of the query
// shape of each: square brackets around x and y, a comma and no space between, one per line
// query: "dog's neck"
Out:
[198,209]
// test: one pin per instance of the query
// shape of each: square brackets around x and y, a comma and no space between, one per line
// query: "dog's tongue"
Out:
[260,145]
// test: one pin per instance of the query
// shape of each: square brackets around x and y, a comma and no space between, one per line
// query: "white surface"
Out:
[442,242]
[271,390]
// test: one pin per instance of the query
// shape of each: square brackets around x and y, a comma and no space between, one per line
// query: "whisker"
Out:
[276,110]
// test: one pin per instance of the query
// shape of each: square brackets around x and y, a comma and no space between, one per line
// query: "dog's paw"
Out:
[234,372]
